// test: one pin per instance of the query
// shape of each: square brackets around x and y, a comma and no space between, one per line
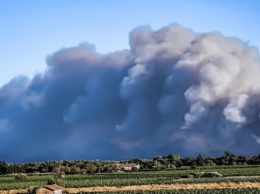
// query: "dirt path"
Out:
[152,187]
[167,187]
[13,191]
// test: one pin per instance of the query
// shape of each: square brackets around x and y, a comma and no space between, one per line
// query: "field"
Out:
[234,175]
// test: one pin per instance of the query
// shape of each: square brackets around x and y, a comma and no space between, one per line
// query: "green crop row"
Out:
[173,173]
[159,180]
[135,178]
[124,182]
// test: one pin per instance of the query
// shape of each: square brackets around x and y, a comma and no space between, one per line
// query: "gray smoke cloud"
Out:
[174,91]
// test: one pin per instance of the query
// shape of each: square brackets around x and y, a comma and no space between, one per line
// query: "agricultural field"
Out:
[183,177]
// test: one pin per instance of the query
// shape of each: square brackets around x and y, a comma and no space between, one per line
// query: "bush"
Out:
[206,174]
[51,182]
[193,167]
[32,189]
[21,177]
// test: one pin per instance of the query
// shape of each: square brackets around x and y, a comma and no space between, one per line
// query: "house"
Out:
[50,189]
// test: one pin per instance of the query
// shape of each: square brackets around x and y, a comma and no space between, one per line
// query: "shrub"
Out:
[193,167]
[206,174]
[21,177]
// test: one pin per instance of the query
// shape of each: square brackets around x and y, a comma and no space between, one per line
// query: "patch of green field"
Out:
[136,178]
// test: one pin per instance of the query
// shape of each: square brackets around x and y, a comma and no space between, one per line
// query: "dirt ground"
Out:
[152,187]
[13,191]
[168,187]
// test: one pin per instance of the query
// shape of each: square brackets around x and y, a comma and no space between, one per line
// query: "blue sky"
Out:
[117,105]
[30,30]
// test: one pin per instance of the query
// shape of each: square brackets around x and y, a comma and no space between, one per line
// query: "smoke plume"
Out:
[173,91]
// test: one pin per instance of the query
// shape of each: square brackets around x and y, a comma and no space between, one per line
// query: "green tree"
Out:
[200,160]
[3,167]
[60,178]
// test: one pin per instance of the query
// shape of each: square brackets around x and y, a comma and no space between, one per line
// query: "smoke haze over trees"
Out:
[174,91]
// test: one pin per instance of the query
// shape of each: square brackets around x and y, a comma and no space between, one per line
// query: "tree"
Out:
[230,158]
[200,160]
[3,167]
[60,178]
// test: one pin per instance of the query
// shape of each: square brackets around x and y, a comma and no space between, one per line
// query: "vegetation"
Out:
[170,169]
[60,178]
[134,178]
[206,174]
[21,177]
[158,163]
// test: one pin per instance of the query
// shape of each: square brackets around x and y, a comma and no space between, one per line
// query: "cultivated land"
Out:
[163,174]
[241,179]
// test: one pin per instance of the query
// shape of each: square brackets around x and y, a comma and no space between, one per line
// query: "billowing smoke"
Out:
[174,91]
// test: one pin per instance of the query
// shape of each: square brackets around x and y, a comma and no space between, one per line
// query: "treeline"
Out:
[172,161]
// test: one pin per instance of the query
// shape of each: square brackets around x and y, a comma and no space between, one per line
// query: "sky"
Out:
[31,30]
[126,79]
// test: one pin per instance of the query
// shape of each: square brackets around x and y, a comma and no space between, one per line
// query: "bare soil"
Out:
[13,191]
[167,187]
[152,187]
